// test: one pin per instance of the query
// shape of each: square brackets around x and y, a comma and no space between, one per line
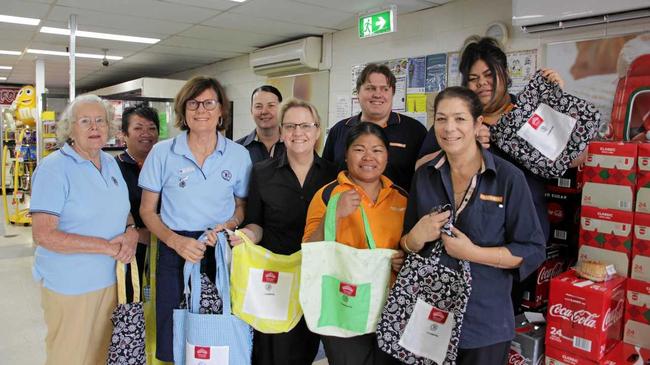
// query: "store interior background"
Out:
[433,30]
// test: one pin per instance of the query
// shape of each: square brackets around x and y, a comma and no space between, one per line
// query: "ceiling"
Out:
[193,33]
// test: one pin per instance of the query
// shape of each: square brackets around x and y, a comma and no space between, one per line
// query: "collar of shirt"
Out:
[440,161]
[386,188]
[283,160]
[67,150]
[393,119]
[180,146]
[250,138]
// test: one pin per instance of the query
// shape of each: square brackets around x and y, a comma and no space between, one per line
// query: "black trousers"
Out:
[358,350]
[496,354]
[296,347]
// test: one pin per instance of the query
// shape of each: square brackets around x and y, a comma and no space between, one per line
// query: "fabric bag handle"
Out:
[120,271]
[330,222]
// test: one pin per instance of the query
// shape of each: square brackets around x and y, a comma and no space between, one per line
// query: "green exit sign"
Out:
[378,23]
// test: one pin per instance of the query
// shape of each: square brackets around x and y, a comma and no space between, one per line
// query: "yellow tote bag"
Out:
[264,287]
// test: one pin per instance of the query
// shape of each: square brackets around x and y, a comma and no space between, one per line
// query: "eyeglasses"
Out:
[305,127]
[208,104]
[87,122]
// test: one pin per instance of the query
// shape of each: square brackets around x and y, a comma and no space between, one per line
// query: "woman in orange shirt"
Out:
[362,184]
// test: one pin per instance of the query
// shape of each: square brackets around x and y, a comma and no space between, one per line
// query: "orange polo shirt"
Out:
[386,216]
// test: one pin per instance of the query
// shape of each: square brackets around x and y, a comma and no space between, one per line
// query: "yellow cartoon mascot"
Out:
[24,106]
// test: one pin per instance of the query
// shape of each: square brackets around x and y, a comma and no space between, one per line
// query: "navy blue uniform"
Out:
[258,150]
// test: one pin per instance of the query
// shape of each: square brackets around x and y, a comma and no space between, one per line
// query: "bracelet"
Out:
[235,220]
[405,245]
[499,257]
[130,226]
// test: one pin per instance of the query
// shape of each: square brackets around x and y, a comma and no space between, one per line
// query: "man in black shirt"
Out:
[264,141]
[376,87]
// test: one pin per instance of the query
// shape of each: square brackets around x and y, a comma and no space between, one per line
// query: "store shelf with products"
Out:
[18,164]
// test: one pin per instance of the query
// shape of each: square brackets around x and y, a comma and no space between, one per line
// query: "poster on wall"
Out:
[400,70]
[521,67]
[356,72]
[453,75]
[591,69]
[436,72]
[8,95]
[417,75]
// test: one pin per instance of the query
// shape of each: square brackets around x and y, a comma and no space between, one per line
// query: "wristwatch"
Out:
[130,226]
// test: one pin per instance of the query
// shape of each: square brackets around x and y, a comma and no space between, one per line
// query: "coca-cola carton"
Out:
[610,175]
[570,181]
[634,355]
[640,268]
[611,231]
[637,314]
[643,179]
[535,294]
[563,207]
[585,318]
[555,356]
[527,348]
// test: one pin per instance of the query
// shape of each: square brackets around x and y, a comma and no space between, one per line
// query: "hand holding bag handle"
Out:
[330,222]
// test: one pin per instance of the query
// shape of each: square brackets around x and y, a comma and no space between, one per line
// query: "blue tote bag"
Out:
[210,339]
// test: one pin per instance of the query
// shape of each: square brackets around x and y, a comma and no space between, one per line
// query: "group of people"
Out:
[90,210]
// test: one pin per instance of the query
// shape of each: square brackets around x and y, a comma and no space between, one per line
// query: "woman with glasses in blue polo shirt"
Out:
[201,179]
[81,226]
[495,226]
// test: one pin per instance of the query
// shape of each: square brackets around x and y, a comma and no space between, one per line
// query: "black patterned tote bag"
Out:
[128,340]
[210,300]
[547,129]
[422,319]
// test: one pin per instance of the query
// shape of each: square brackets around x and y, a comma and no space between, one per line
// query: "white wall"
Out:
[441,29]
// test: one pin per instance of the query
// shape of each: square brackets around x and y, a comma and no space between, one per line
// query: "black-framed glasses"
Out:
[305,127]
[208,104]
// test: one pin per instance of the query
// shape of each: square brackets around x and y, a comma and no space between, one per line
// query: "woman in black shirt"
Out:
[279,195]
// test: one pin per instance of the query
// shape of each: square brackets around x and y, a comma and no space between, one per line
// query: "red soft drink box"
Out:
[563,208]
[527,348]
[609,232]
[535,295]
[555,356]
[640,268]
[643,179]
[637,314]
[634,355]
[584,317]
[610,175]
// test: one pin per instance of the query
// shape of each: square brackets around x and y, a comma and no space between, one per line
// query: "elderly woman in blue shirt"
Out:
[201,179]
[81,226]
[495,226]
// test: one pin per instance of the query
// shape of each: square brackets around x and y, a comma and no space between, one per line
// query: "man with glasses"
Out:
[264,141]
[376,87]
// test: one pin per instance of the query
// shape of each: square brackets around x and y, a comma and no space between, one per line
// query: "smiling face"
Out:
[202,120]
[265,109]
[455,128]
[90,128]
[376,97]
[366,158]
[480,81]
[141,135]
[304,134]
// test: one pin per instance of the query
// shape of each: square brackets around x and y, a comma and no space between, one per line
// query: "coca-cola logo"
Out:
[581,317]
[515,358]
[644,162]
[437,315]
[535,121]
[270,277]
[546,273]
[202,353]
[613,316]
[348,289]
[555,212]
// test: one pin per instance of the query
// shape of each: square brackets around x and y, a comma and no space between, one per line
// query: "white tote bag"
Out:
[343,289]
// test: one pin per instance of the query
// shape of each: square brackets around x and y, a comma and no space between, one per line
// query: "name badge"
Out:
[491,198]
[399,145]
[186,170]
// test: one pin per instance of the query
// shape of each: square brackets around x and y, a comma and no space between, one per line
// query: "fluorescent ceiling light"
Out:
[238,1]
[80,55]
[19,20]
[5,67]
[2,78]
[114,37]
[11,53]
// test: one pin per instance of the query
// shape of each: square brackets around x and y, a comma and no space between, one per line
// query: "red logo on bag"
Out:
[438,315]
[270,277]
[348,289]
[535,121]
[202,353]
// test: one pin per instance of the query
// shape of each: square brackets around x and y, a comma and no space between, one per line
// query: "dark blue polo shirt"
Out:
[487,222]
[535,183]
[405,136]
[258,150]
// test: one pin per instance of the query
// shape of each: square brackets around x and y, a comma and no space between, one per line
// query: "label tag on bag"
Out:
[548,131]
[428,332]
[206,355]
[268,294]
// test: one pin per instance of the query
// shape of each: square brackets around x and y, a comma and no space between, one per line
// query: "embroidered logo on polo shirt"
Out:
[491,198]
[226,175]
[182,182]
[114,180]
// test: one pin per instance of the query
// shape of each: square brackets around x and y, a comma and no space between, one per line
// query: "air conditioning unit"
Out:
[534,16]
[299,56]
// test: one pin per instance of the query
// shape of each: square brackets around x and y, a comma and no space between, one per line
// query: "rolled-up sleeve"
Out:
[50,189]
[524,236]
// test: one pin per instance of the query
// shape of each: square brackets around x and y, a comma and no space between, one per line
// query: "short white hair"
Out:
[64,125]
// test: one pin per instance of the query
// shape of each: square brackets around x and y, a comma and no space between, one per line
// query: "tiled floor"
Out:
[22,330]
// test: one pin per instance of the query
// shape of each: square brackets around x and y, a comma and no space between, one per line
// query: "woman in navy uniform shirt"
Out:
[495,227]
[280,192]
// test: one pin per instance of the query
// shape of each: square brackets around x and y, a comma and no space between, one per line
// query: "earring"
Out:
[220,121]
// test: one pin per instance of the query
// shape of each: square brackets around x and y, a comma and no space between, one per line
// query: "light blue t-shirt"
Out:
[88,202]
[195,198]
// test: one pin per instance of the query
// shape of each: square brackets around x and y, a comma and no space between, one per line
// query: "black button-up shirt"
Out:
[278,203]
[131,172]
[405,136]
[258,150]
[499,212]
